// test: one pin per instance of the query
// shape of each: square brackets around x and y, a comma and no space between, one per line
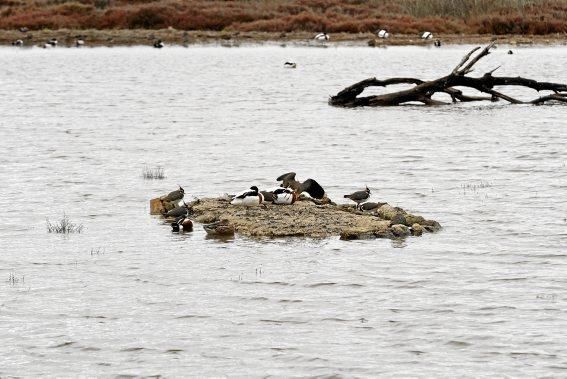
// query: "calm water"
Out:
[484,297]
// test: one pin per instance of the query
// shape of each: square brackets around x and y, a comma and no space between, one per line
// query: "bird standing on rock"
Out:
[359,196]
[249,198]
[310,186]
[174,196]
[284,196]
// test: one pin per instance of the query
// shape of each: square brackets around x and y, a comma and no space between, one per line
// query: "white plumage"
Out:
[284,196]
[248,198]
[427,35]
[383,34]
[322,37]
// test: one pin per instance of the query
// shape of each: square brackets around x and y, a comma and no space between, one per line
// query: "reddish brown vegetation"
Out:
[352,16]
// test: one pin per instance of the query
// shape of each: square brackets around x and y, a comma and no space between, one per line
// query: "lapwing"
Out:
[174,196]
[359,196]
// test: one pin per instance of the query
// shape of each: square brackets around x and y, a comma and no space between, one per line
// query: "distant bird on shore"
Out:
[79,42]
[290,65]
[310,186]
[158,44]
[18,42]
[359,196]
[322,37]
[23,29]
[426,35]
[51,43]
[383,34]
[437,43]
[510,52]
[249,198]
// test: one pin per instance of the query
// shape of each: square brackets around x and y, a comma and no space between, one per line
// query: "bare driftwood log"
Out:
[424,90]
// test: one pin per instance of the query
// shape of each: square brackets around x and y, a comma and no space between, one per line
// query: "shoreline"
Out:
[145,37]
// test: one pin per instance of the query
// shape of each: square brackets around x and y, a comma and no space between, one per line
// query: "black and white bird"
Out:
[249,198]
[368,206]
[310,186]
[24,29]
[427,35]
[18,42]
[290,65]
[174,196]
[158,44]
[359,196]
[53,42]
[437,43]
[321,37]
[79,42]
[182,223]
[383,34]
[510,52]
[285,196]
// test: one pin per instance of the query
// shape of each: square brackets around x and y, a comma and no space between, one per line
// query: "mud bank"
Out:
[174,37]
[308,219]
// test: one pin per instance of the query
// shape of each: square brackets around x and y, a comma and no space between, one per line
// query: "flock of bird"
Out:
[286,194]
[158,44]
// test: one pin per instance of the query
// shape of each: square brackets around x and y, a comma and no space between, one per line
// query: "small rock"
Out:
[387,212]
[351,234]
[398,219]
[431,225]
[417,230]
[372,42]
[400,230]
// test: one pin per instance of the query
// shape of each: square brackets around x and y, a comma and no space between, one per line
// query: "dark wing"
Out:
[312,188]
[288,176]
[176,212]
[249,193]
[358,195]
[281,190]
[268,196]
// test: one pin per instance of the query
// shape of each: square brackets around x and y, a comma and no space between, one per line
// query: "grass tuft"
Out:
[64,226]
[156,173]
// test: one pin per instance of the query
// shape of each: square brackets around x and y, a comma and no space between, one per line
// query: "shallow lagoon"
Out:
[486,296]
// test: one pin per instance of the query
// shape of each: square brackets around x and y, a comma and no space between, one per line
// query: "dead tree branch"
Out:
[423,91]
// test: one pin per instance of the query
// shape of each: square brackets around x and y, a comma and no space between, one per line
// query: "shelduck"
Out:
[426,35]
[285,196]
[249,198]
[290,65]
[158,44]
[383,34]
[322,37]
